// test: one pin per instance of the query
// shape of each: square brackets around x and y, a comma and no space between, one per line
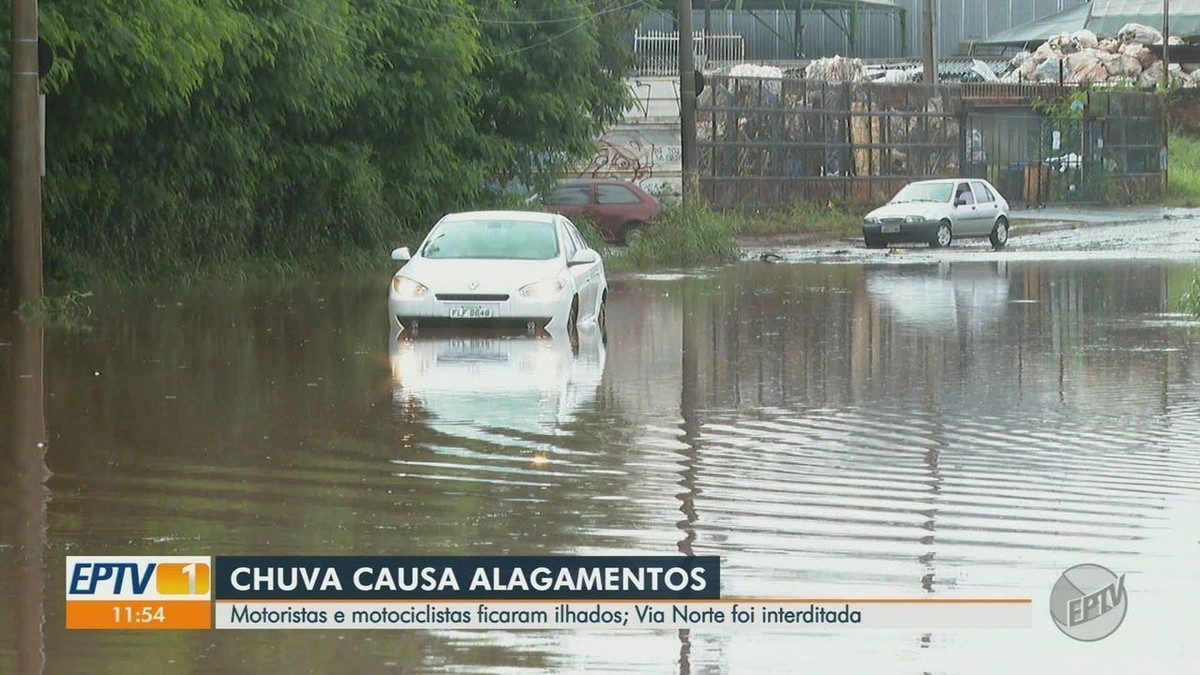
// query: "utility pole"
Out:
[1166,59]
[687,106]
[24,162]
[1166,99]
[927,41]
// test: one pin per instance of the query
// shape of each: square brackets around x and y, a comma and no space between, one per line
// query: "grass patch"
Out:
[1183,170]
[805,218]
[1190,300]
[683,236]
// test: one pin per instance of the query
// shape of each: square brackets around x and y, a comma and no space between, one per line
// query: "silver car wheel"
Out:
[943,235]
[999,236]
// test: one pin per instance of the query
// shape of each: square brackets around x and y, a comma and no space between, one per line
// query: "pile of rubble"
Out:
[1081,57]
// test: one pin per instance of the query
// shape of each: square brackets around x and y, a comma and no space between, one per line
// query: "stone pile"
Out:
[1081,57]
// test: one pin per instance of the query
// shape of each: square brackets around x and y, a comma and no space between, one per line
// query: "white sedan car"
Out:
[939,211]
[522,270]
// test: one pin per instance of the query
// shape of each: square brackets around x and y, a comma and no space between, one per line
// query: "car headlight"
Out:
[871,220]
[407,288]
[542,290]
[914,219]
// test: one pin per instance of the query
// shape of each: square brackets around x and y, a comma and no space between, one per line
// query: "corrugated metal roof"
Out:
[1105,18]
[1108,16]
[700,5]
[1043,29]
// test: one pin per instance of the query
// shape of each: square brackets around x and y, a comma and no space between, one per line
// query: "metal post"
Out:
[1166,114]
[24,160]
[687,106]
[1166,31]
[927,41]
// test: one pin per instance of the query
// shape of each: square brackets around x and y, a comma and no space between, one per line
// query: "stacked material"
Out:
[754,70]
[836,69]
[749,70]
[1081,57]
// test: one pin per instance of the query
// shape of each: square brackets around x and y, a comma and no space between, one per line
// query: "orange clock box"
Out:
[139,615]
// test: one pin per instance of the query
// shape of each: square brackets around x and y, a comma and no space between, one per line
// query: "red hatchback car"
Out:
[620,209]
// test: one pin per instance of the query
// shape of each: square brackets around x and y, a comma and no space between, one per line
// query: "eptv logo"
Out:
[138,577]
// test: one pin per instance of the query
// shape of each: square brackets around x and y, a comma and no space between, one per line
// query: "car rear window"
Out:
[615,194]
[492,239]
[569,194]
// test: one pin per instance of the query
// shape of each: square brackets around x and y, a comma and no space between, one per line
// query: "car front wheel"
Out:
[573,321]
[874,242]
[942,236]
[999,236]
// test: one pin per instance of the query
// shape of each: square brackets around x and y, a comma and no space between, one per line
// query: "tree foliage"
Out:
[190,132]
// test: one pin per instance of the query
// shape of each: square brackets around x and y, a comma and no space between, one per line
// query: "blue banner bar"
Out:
[466,577]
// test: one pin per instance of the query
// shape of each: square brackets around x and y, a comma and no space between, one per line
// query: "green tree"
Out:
[183,133]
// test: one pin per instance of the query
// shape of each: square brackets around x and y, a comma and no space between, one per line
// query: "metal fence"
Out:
[768,142]
[1107,150]
[658,51]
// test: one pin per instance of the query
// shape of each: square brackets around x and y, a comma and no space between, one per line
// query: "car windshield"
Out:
[923,192]
[493,239]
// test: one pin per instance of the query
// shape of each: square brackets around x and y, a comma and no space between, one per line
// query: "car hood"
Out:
[927,210]
[456,275]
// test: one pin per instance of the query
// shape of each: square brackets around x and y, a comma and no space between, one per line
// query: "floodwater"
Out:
[960,428]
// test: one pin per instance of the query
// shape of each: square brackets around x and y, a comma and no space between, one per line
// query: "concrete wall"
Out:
[645,146]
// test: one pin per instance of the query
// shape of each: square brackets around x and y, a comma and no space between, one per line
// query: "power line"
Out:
[581,22]
[512,22]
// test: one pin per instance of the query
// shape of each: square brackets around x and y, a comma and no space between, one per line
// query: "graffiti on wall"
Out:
[631,156]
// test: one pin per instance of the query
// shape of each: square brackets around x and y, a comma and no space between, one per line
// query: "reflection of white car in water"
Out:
[940,296]
[484,386]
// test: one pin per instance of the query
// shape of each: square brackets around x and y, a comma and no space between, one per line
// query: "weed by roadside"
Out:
[805,218]
[682,236]
[1183,171]
[1190,300]
[69,310]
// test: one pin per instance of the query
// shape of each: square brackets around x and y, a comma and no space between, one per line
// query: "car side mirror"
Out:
[401,254]
[584,257]
[960,201]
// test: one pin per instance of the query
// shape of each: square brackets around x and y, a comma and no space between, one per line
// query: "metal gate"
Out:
[1034,160]
[1106,149]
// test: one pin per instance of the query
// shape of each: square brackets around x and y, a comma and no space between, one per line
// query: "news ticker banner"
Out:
[463,592]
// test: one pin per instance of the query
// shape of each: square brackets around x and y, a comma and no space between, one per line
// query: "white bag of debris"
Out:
[755,70]
[761,72]
[1070,43]
[1087,56]
[836,69]
[1137,33]
[1152,75]
[1087,71]
[1109,45]
[1050,70]
[1140,52]
[1046,51]
[899,75]
[1123,65]
[1020,59]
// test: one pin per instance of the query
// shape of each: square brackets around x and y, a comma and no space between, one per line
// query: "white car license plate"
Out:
[889,229]
[470,312]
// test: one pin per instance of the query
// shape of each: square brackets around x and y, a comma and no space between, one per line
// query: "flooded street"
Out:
[968,424]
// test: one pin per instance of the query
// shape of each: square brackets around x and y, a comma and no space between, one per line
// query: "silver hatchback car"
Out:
[938,212]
